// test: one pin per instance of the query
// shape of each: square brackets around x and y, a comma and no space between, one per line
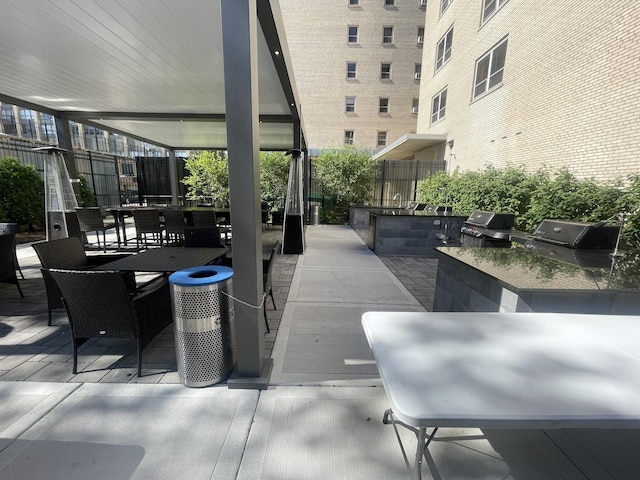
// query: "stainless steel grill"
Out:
[488,229]
[585,244]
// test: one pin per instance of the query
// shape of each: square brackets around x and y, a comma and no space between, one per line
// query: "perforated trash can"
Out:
[203,324]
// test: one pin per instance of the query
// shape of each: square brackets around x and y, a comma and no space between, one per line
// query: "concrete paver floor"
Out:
[321,417]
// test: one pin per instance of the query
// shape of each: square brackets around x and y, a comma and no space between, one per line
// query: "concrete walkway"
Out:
[320,418]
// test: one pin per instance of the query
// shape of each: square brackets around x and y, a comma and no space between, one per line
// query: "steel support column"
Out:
[240,50]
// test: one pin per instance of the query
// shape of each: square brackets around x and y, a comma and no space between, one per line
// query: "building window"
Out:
[383,105]
[389,3]
[417,73]
[348,137]
[351,70]
[387,35]
[490,7]
[444,4]
[489,69]
[423,3]
[385,71]
[420,39]
[382,139]
[443,51]
[438,106]
[354,3]
[414,105]
[350,105]
[353,34]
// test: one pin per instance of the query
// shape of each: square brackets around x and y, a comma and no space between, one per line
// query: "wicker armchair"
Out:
[68,253]
[148,225]
[8,259]
[100,305]
[91,220]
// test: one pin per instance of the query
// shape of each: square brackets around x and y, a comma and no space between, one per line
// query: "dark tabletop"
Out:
[166,259]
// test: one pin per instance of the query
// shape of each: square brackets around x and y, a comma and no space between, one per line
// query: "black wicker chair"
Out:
[8,259]
[91,220]
[100,305]
[148,225]
[174,224]
[68,253]
[267,268]
[208,219]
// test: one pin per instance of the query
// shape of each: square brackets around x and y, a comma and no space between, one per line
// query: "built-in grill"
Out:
[586,244]
[487,229]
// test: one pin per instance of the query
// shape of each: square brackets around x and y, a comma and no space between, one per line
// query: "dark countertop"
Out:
[402,212]
[522,269]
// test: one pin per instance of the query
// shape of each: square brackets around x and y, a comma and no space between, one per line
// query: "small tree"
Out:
[274,175]
[348,175]
[21,194]
[208,178]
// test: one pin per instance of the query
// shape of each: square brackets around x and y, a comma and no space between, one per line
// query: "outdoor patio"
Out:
[320,418]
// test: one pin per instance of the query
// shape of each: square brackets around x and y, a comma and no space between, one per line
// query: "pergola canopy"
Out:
[149,69]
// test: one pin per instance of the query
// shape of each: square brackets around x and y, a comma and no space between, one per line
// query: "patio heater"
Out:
[59,199]
[293,227]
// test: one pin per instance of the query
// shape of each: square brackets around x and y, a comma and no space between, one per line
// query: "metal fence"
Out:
[98,168]
[395,184]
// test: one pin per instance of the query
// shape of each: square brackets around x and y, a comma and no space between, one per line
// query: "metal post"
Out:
[240,49]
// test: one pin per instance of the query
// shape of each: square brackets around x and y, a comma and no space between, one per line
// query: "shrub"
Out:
[21,194]
[347,175]
[87,197]
[532,197]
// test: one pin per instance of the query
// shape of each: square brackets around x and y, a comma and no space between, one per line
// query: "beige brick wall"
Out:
[316,32]
[571,87]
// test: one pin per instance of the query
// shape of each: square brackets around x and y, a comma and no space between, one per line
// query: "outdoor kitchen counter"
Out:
[408,232]
[521,280]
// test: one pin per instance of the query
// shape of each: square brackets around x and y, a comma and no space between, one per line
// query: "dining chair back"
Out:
[204,218]
[91,219]
[267,280]
[148,226]
[100,305]
[174,224]
[68,253]
[202,237]
[8,259]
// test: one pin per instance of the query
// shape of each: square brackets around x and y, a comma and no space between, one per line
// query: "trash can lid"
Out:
[198,276]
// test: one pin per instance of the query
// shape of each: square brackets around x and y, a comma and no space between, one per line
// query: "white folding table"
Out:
[506,370]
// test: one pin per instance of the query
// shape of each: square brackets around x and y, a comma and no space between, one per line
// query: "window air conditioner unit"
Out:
[420,39]
[416,76]
[414,109]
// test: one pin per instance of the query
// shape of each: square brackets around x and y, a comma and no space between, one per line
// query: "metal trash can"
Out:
[315,215]
[204,325]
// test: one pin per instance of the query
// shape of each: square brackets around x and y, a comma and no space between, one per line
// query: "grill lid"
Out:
[577,234]
[498,220]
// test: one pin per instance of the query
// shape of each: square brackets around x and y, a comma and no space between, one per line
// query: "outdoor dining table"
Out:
[165,259]
[506,370]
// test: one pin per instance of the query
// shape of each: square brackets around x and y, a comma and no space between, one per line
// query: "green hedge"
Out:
[21,195]
[532,197]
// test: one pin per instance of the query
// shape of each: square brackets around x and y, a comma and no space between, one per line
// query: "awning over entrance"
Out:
[406,146]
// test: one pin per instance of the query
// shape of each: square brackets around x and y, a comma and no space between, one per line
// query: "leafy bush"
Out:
[21,194]
[532,197]
[346,174]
